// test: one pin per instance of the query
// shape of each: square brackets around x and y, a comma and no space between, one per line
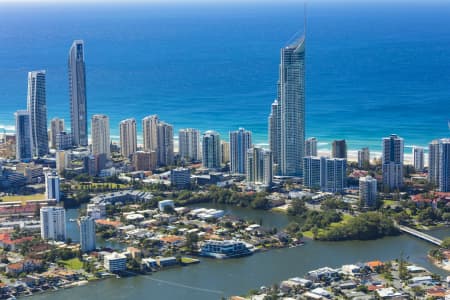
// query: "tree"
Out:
[446,243]
[191,241]
[297,207]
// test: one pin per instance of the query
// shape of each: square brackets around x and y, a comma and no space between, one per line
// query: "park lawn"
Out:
[345,218]
[73,263]
[390,202]
[188,260]
[23,198]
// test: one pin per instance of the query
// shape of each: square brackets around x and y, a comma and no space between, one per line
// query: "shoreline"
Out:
[438,264]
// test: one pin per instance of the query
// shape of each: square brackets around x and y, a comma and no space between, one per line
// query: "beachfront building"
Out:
[259,166]
[52,184]
[368,191]
[56,126]
[363,158]
[77,91]
[150,132]
[128,137]
[339,149]
[53,223]
[392,162]
[165,144]
[287,117]
[311,147]
[224,152]
[433,162]
[24,141]
[275,132]
[418,158]
[211,150]
[444,165]
[37,107]
[100,135]
[189,144]
[87,234]
[240,142]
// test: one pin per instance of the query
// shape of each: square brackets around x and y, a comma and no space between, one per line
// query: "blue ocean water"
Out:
[372,69]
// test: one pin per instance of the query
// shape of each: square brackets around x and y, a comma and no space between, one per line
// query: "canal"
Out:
[213,279]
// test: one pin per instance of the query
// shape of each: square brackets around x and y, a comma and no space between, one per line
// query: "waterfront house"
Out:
[224,249]
[167,261]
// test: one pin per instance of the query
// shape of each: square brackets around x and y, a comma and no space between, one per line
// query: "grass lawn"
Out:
[21,198]
[390,202]
[74,263]
[345,219]
[188,260]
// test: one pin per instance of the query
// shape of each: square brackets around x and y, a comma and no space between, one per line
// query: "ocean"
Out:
[371,69]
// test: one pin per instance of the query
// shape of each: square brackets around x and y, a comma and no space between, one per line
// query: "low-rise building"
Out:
[115,262]
[165,203]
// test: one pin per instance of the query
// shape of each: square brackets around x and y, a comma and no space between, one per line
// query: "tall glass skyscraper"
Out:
[24,141]
[240,142]
[77,90]
[287,119]
[37,107]
[211,150]
[392,162]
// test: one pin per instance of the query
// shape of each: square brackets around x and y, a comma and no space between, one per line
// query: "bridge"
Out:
[420,235]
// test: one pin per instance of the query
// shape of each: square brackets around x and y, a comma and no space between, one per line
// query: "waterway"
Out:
[213,279]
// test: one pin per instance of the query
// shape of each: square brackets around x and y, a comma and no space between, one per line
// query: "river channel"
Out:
[213,279]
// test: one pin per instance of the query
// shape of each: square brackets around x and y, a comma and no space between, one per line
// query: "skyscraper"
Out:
[211,150]
[24,141]
[339,149]
[335,175]
[312,172]
[37,107]
[77,92]
[52,186]
[189,144]
[311,147]
[165,144]
[240,142]
[368,191]
[87,234]
[128,137]
[433,162]
[392,162]
[444,165]
[418,158]
[145,161]
[328,174]
[259,166]
[53,223]
[100,135]
[292,108]
[150,132]
[224,152]
[275,131]
[56,126]
[363,158]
